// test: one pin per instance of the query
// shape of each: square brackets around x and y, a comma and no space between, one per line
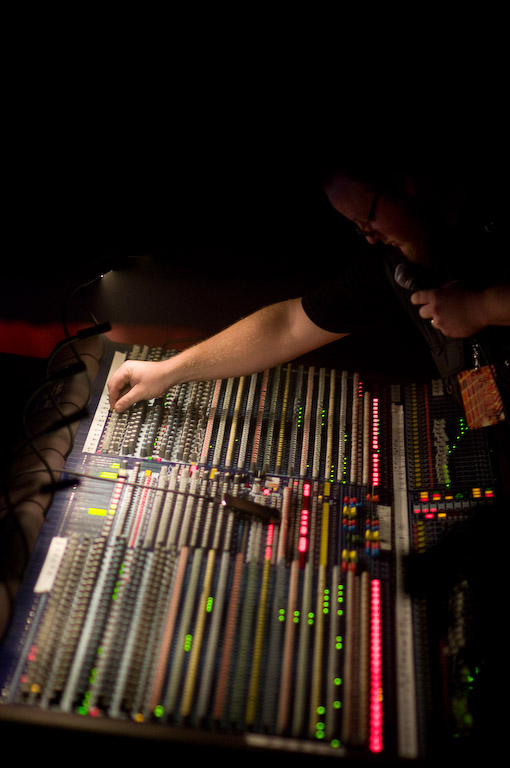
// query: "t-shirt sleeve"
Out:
[359,298]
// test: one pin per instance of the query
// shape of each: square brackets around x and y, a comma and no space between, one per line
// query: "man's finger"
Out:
[118,383]
[126,401]
[420,297]
[426,312]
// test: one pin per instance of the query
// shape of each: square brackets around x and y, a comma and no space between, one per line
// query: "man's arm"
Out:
[272,335]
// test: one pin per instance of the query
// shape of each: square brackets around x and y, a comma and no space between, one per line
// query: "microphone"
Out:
[404,278]
[413,277]
[243,506]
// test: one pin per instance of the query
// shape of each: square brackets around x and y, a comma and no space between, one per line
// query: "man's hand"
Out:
[134,381]
[453,310]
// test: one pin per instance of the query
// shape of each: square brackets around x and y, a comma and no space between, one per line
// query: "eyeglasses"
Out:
[365,230]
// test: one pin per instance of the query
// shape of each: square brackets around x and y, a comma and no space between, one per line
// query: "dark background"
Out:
[207,197]
[211,211]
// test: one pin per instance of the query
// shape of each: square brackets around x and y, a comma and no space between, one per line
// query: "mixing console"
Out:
[229,558]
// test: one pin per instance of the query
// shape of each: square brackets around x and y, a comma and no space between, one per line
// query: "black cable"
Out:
[66,420]
[68,299]
[29,443]
[238,504]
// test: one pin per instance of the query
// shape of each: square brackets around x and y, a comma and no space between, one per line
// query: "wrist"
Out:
[494,305]
[167,373]
[180,368]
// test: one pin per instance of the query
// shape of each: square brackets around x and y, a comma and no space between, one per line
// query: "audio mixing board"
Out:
[229,559]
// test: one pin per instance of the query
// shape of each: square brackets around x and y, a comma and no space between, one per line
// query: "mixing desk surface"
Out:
[232,560]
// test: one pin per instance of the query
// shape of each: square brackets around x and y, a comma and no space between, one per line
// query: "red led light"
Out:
[376,711]
[32,655]
[375,441]
[375,469]
[269,541]
[303,529]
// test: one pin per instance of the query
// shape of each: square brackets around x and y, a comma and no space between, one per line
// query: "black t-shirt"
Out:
[366,295]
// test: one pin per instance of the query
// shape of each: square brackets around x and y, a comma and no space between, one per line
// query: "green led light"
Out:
[159,711]
[321,710]
[335,743]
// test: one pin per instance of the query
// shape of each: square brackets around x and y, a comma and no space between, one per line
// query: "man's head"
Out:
[394,187]
[414,212]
